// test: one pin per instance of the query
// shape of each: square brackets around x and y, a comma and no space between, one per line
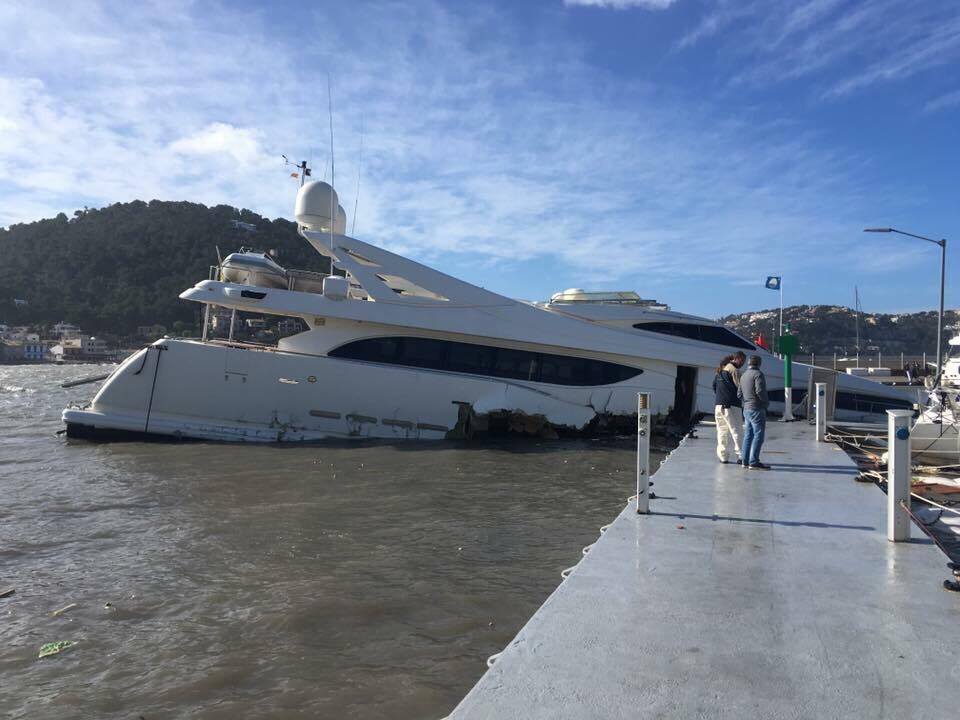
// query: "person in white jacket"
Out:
[726,411]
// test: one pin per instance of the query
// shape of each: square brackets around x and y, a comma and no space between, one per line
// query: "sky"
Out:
[685,149]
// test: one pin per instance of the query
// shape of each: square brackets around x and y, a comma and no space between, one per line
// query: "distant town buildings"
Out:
[63,342]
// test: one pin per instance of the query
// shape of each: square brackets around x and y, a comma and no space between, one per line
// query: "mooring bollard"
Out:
[643,452]
[821,400]
[898,474]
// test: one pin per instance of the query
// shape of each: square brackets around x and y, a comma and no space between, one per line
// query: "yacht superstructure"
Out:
[395,349]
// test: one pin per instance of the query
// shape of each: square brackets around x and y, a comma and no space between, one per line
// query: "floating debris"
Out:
[55,648]
[61,611]
[7,593]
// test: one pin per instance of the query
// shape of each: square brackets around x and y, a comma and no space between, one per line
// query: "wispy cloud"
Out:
[842,46]
[950,99]
[622,4]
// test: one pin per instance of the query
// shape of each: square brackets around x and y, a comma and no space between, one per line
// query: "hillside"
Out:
[112,269]
[825,329]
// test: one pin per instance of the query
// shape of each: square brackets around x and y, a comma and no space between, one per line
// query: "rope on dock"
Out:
[935,504]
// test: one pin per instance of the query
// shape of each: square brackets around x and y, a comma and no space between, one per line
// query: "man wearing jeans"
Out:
[753,393]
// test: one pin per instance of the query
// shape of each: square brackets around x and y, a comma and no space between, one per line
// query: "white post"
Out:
[233,322]
[643,452]
[898,474]
[787,405]
[821,400]
[206,321]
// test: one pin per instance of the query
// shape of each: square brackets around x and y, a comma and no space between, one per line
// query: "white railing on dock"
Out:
[899,471]
[643,452]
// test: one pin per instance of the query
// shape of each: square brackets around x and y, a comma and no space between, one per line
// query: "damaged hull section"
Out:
[182,389]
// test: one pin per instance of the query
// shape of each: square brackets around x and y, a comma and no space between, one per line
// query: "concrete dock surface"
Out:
[744,594]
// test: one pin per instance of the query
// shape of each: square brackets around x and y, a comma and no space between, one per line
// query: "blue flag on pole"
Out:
[773,282]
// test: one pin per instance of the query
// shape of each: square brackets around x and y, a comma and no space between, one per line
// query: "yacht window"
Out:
[468,358]
[423,353]
[869,403]
[383,350]
[516,364]
[486,360]
[564,370]
[704,333]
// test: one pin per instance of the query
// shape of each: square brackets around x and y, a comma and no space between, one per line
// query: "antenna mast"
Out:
[333,210]
[356,199]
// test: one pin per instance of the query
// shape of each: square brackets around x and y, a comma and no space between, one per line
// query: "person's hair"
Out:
[730,358]
[724,361]
[754,361]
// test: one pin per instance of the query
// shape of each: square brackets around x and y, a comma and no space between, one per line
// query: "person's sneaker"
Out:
[758,466]
[739,461]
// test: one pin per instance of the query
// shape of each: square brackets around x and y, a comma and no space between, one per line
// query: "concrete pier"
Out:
[744,593]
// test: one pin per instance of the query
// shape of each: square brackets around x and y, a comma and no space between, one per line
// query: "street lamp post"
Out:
[943,275]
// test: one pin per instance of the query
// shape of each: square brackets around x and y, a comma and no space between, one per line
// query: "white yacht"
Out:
[394,349]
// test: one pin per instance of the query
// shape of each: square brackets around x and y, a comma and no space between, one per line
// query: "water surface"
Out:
[225,581]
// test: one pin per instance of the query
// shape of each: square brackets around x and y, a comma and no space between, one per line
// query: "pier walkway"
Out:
[744,594]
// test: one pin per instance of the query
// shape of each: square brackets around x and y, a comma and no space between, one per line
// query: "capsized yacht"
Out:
[395,349]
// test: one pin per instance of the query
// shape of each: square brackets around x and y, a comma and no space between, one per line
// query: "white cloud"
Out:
[622,4]
[223,139]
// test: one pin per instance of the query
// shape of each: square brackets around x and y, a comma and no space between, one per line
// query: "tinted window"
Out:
[703,333]
[485,360]
[870,403]
[722,336]
[516,364]
[799,394]
[372,350]
[564,370]
[669,328]
[423,352]
[468,358]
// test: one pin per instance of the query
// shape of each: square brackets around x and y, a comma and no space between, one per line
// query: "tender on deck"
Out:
[743,594]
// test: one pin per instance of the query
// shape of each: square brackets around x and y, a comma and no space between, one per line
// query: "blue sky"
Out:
[682,148]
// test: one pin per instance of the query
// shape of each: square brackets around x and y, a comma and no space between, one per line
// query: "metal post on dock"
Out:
[643,452]
[898,474]
[821,389]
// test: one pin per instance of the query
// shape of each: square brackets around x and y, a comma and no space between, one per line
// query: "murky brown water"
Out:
[348,581]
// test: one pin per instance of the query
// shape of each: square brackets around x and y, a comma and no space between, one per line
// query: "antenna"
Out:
[333,210]
[356,199]
[333,172]
[303,171]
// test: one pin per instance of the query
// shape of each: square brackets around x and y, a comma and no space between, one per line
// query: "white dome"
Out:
[316,206]
[340,226]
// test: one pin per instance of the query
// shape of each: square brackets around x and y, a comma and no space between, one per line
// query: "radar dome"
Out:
[340,226]
[316,207]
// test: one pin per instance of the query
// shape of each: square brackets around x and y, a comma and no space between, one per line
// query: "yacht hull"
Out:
[180,389]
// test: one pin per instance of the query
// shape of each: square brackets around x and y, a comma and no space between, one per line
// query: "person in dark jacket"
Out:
[726,410]
[753,393]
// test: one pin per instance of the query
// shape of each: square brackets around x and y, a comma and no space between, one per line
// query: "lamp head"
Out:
[878,229]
